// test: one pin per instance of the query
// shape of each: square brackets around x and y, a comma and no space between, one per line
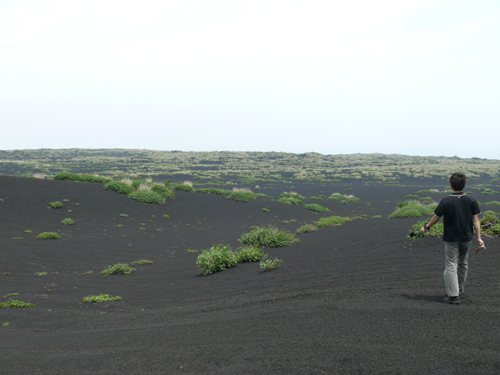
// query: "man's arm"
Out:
[433,221]
[477,227]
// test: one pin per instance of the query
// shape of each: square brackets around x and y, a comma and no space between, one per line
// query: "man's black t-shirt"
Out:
[458,210]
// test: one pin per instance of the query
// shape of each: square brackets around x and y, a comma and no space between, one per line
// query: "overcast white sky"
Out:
[415,77]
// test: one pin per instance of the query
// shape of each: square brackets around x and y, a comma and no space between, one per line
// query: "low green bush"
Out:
[249,254]
[436,230]
[490,224]
[270,264]
[68,221]
[138,182]
[313,198]
[214,191]
[83,177]
[489,192]
[332,220]
[145,196]
[343,201]
[316,207]
[217,258]
[266,209]
[101,298]
[28,231]
[56,204]
[336,197]
[184,187]
[140,262]
[412,209]
[48,236]
[295,201]
[241,196]
[14,303]
[492,203]
[267,236]
[163,190]
[292,196]
[119,187]
[261,195]
[119,268]
[306,228]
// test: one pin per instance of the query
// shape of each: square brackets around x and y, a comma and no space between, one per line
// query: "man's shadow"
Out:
[420,297]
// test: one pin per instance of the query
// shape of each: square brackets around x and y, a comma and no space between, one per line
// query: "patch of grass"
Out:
[249,254]
[314,198]
[214,191]
[65,200]
[6,324]
[317,207]
[163,190]
[68,221]
[490,224]
[270,264]
[77,204]
[332,220]
[412,209]
[123,215]
[119,268]
[266,209]
[489,191]
[192,251]
[436,230]
[261,195]
[376,217]
[142,261]
[119,187]
[11,295]
[295,201]
[267,236]
[306,228]
[184,187]
[411,196]
[292,195]
[241,196]
[81,177]
[145,196]
[40,274]
[48,236]
[56,204]
[492,203]
[28,231]
[336,197]
[217,258]
[101,298]
[343,201]
[15,304]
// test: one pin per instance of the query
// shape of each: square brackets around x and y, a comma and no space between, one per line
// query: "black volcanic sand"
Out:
[353,299]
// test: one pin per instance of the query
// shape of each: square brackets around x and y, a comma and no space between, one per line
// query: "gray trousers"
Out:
[456,265]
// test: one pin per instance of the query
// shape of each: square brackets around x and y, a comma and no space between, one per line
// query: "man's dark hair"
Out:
[457,181]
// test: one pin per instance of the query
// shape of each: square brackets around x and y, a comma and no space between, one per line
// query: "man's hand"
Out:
[480,243]
[423,231]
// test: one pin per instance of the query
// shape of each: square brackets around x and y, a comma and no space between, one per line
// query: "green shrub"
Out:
[217,258]
[262,195]
[81,177]
[163,190]
[138,182]
[411,196]
[332,220]
[40,274]
[14,303]
[292,196]
[142,261]
[68,221]
[145,196]
[343,201]
[436,230]
[316,207]
[353,199]
[101,298]
[166,216]
[119,187]
[490,224]
[294,201]
[28,231]
[123,215]
[492,203]
[241,196]
[249,254]
[266,209]
[376,217]
[48,236]
[306,228]
[119,268]
[336,197]
[184,187]
[56,204]
[270,264]
[214,191]
[412,209]
[267,237]
[489,192]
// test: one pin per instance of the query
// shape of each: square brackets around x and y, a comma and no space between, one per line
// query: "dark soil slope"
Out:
[353,299]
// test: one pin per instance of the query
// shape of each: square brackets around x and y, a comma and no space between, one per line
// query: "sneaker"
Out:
[452,300]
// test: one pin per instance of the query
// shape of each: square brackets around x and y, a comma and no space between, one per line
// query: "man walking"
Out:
[460,216]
